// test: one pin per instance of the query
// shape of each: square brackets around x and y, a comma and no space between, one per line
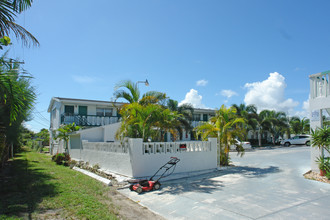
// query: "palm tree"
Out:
[9,9]
[187,111]
[144,121]
[226,127]
[17,97]
[131,93]
[64,134]
[248,113]
[275,123]
[299,126]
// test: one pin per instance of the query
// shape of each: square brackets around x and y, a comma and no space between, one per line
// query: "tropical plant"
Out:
[147,121]
[187,111]
[17,97]
[226,127]
[321,138]
[248,112]
[9,9]
[63,133]
[299,126]
[130,92]
[275,123]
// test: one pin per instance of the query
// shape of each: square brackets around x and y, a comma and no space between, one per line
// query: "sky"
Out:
[204,52]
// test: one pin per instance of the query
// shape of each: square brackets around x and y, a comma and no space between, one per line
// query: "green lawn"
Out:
[32,186]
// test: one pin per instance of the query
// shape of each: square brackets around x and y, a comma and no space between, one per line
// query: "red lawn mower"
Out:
[147,185]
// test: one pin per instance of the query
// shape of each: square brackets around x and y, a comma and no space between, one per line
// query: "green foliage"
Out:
[226,126]
[61,158]
[17,97]
[4,41]
[9,10]
[64,133]
[147,121]
[130,92]
[35,186]
[321,138]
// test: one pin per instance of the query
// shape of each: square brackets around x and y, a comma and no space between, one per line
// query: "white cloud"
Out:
[202,82]
[269,94]
[84,79]
[305,110]
[228,93]
[192,97]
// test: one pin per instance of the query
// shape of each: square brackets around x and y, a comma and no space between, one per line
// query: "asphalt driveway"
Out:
[264,184]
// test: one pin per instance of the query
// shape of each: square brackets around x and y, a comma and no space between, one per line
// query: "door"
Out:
[82,110]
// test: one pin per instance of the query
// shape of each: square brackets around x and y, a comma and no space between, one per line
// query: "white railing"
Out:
[175,147]
[115,147]
[319,85]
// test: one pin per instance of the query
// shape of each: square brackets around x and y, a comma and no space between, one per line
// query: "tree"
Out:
[299,126]
[226,127]
[187,111]
[17,97]
[130,92]
[43,135]
[147,121]
[321,138]
[9,9]
[275,123]
[248,113]
[64,133]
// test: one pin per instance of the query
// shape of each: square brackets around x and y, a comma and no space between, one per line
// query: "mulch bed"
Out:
[316,176]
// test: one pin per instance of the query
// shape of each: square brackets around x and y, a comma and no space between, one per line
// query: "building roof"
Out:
[85,101]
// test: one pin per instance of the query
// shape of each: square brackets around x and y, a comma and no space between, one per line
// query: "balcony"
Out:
[89,120]
[319,85]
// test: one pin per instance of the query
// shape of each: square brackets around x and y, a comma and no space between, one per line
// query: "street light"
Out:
[145,82]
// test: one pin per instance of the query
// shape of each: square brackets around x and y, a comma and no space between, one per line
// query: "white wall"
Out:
[93,134]
[110,131]
[137,159]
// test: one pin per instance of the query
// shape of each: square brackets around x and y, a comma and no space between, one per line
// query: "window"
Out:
[104,112]
[205,118]
[68,109]
[196,117]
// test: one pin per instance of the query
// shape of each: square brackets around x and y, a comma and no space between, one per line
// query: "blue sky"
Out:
[208,52]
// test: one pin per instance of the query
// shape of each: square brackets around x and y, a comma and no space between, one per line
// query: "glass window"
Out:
[196,117]
[69,109]
[108,112]
[104,112]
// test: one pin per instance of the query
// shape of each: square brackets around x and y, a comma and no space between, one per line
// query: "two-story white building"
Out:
[319,104]
[94,113]
[84,113]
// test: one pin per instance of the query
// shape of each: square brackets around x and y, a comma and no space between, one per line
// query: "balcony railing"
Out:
[89,120]
[319,85]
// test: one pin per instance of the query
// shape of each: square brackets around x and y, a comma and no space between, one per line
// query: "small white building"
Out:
[319,104]
[83,112]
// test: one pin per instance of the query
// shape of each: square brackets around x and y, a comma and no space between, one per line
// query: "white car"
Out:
[245,144]
[304,139]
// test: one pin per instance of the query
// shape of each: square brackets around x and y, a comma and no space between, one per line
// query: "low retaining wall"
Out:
[137,159]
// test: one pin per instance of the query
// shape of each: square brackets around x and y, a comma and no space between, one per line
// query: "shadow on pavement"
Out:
[207,183]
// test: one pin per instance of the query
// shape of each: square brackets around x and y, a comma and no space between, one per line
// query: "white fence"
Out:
[137,159]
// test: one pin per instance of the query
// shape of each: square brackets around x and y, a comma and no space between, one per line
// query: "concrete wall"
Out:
[319,102]
[136,159]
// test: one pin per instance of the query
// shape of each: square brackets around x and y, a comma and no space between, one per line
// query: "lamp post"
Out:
[145,83]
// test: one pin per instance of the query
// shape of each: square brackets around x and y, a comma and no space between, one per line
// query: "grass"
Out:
[34,187]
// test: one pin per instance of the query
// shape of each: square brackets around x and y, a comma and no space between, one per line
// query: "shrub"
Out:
[61,158]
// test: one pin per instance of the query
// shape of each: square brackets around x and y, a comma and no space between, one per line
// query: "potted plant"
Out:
[321,140]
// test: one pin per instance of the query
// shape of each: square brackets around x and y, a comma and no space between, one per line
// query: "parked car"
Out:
[298,139]
[245,144]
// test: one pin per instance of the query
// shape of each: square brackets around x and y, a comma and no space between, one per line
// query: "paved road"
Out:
[265,184]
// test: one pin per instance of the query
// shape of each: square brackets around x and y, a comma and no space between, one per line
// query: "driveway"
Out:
[264,184]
